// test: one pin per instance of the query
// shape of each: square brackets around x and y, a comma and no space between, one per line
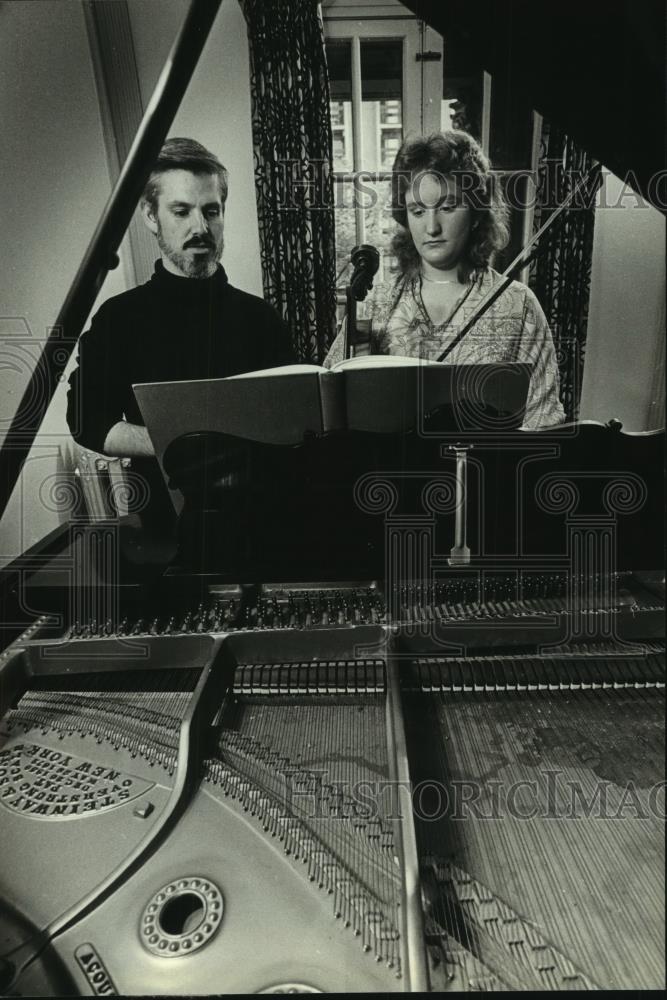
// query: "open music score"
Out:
[377,394]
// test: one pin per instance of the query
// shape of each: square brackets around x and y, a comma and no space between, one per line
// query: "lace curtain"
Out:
[561,274]
[293,176]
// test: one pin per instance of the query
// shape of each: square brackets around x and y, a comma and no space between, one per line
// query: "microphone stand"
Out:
[350,331]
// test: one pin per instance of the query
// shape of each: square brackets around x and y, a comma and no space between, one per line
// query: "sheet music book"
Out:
[382,394]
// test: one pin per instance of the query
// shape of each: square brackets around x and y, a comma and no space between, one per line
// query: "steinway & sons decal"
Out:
[52,784]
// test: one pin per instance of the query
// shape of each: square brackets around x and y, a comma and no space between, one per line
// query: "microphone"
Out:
[365,260]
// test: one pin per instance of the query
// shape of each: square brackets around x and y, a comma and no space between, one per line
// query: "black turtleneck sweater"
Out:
[170,329]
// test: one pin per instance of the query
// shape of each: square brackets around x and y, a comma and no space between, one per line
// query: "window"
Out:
[381,91]
[367,134]
[391,77]
[374,81]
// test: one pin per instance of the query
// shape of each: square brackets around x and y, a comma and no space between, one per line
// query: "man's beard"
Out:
[203,266]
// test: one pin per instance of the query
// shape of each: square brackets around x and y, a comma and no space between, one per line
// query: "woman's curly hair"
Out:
[454,154]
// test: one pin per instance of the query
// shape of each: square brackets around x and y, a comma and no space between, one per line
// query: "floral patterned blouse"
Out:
[514,328]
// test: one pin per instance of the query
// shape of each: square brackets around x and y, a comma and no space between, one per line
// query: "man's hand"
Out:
[128,441]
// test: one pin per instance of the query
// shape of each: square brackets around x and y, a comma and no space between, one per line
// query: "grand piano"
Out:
[354,760]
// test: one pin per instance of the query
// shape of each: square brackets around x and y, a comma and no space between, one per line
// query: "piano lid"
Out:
[595,69]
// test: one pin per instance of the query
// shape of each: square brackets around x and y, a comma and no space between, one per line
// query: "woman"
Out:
[451,219]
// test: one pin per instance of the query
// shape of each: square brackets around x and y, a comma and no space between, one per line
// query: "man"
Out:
[187,322]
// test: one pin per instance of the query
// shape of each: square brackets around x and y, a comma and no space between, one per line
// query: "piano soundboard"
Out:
[333,788]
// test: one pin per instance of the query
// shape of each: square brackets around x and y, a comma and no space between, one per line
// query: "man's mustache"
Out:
[199,243]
